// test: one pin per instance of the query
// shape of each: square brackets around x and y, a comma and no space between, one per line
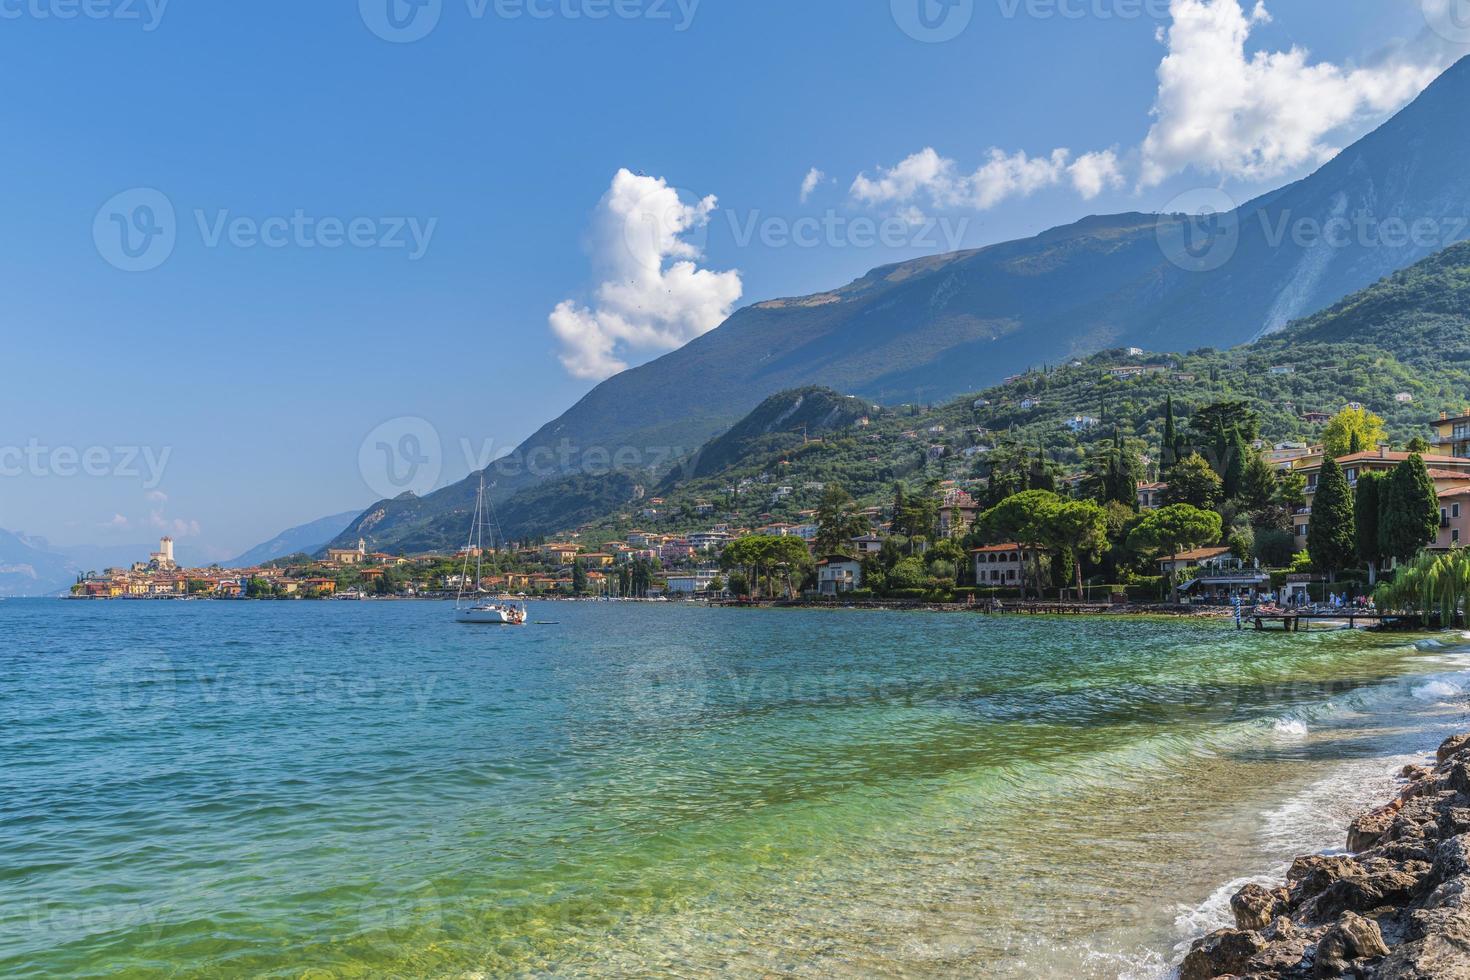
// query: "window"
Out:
[1455,536]
[1455,510]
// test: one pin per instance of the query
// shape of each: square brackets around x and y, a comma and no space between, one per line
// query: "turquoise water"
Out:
[369,789]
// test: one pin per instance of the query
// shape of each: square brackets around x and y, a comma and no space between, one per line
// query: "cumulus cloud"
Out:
[653,296]
[810,182]
[157,496]
[1258,116]
[939,180]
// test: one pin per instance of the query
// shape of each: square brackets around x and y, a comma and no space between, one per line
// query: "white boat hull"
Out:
[488,616]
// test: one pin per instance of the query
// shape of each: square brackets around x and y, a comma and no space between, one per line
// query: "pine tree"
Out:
[1332,537]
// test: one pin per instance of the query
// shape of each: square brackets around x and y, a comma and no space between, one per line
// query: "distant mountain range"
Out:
[930,329]
[304,539]
[29,568]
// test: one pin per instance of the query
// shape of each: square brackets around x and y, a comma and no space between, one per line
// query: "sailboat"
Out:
[477,610]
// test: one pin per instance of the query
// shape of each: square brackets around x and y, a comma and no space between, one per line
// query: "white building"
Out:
[692,583]
[837,574]
[998,565]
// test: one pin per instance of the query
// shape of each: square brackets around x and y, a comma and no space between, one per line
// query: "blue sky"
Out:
[250,374]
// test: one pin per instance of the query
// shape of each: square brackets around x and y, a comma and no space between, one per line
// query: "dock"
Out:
[1292,622]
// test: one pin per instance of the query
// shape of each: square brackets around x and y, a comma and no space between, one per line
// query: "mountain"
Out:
[929,329]
[29,568]
[1407,334]
[779,422]
[307,539]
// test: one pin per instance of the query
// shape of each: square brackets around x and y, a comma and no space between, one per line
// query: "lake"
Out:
[370,789]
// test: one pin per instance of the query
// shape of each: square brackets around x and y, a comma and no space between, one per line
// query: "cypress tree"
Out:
[1233,465]
[1332,537]
[1408,511]
[1168,452]
[1367,505]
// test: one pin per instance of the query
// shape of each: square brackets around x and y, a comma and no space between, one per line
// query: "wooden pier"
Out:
[1291,622]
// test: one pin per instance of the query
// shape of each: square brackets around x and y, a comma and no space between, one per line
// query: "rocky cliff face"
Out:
[1396,908]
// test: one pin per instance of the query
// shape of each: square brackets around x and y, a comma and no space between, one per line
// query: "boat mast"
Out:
[470,545]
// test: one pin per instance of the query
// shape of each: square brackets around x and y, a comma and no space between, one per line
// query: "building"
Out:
[1215,574]
[163,559]
[957,513]
[1447,472]
[1187,560]
[837,574]
[867,544]
[691,583]
[1151,496]
[1316,418]
[1454,518]
[999,565]
[1404,398]
[1283,369]
[348,556]
[1081,423]
[1452,435]
[709,540]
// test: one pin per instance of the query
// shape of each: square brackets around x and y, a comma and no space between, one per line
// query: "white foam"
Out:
[1294,727]
[1438,690]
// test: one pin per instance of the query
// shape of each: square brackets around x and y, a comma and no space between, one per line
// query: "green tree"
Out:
[1113,474]
[1350,427]
[1215,426]
[1233,465]
[1194,483]
[1419,445]
[1367,509]
[579,577]
[838,522]
[1026,519]
[1332,538]
[909,573]
[1080,529]
[1409,513]
[1258,484]
[1169,448]
[1168,531]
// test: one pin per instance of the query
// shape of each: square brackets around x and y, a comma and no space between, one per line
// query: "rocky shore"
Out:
[1396,907]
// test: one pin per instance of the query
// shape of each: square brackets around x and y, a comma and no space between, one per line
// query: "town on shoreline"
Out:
[1214,517]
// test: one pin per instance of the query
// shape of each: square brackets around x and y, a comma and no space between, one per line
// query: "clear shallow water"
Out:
[368,789]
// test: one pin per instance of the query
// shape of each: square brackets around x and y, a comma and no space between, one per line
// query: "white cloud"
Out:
[1095,172]
[1258,116]
[810,182]
[938,180]
[157,496]
[1217,110]
[117,521]
[175,526]
[653,296]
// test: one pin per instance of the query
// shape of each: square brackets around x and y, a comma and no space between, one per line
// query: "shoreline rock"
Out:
[1397,907]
